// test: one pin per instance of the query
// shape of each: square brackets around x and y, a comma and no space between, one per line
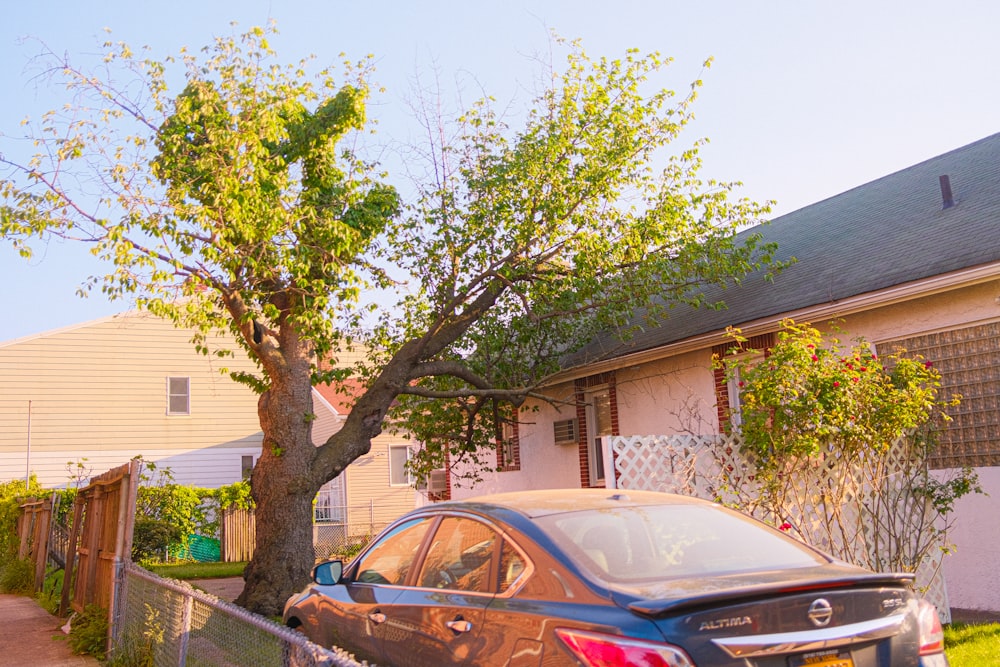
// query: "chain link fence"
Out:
[167,623]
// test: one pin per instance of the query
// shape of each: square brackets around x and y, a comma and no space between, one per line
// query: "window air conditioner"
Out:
[437,481]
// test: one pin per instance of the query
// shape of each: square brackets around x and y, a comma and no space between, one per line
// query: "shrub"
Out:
[51,594]
[88,634]
[17,576]
[151,537]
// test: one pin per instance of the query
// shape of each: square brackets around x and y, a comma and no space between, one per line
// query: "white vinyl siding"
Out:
[369,495]
[97,391]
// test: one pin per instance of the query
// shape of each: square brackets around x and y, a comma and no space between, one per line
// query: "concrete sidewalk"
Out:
[29,635]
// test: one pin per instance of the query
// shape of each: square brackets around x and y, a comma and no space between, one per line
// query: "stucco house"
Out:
[911,259]
[77,401]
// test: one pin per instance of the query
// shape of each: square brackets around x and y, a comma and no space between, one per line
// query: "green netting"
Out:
[199,548]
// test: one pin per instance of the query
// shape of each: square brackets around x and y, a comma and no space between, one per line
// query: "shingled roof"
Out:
[888,232]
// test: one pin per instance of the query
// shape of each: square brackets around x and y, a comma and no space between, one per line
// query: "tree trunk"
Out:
[283,485]
[283,556]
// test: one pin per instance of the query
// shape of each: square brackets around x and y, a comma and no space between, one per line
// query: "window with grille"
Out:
[178,396]
[969,362]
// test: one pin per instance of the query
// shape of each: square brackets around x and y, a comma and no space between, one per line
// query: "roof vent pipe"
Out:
[948,200]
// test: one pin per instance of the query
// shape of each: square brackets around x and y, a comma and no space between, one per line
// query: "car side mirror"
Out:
[328,572]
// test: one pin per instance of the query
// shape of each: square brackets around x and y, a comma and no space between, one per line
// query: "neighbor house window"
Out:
[399,475]
[178,396]
[968,360]
[246,467]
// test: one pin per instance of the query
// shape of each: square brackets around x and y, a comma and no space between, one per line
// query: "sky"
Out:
[804,100]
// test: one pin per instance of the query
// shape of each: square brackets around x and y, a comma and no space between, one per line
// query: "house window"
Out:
[246,467]
[178,396]
[598,410]
[509,448]
[399,474]
[969,362]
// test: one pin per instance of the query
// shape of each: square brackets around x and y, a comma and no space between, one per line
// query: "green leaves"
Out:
[530,242]
[234,192]
[813,394]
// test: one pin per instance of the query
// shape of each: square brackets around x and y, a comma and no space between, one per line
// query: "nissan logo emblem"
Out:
[820,612]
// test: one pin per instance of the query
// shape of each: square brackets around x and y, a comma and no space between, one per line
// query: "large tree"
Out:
[241,203]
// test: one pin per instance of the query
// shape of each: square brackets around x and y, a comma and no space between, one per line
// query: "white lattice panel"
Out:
[826,501]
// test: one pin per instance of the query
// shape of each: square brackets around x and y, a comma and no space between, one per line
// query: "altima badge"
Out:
[721,623]
[820,612]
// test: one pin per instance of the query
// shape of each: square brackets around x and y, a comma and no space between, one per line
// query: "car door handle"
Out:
[376,617]
[459,625]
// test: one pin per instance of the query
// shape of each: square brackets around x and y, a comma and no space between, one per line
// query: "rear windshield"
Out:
[668,541]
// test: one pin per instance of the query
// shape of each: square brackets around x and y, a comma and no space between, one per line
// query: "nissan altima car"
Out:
[603,577]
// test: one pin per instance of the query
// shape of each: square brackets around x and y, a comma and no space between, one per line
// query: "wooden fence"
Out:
[334,528]
[100,539]
[34,528]
[237,535]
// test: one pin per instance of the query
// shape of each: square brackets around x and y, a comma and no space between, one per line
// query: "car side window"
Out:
[389,561]
[511,566]
[460,557]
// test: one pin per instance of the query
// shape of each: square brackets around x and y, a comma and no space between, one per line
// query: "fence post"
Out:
[93,526]
[608,453]
[41,542]
[127,491]
[182,645]
[74,535]
[25,529]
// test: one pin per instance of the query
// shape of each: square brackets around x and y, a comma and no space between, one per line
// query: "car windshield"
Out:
[670,541]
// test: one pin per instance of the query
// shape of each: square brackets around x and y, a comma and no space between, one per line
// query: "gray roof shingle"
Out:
[890,231]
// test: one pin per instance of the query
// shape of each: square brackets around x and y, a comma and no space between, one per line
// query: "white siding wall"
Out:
[98,391]
[368,492]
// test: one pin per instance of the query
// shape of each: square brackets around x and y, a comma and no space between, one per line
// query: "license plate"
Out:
[822,660]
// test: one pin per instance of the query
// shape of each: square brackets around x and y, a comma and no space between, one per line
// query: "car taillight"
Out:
[599,650]
[931,634]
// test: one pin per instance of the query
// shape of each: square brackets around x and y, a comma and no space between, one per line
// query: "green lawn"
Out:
[199,570]
[973,645]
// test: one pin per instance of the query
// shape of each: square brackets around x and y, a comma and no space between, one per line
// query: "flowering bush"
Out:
[835,432]
[809,394]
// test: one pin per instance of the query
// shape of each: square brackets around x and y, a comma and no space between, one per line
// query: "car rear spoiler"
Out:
[657,608]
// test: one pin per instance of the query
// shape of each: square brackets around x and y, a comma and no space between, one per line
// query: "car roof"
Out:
[555,501]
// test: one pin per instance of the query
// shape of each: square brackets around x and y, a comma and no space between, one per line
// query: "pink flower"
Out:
[815,358]
[855,379]
[785,526]
[927,364]
[836,384]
